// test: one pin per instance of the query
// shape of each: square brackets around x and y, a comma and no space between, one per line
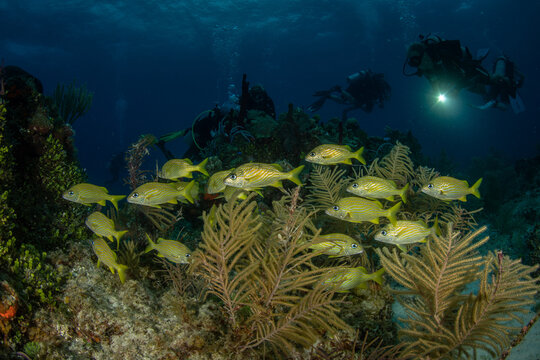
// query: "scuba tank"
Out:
[499,68]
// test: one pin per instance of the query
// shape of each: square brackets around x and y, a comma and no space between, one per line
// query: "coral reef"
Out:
[445,323]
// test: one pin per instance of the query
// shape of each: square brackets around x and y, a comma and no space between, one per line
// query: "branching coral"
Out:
[325,186]
[273,277]
[72,101]
[444,322]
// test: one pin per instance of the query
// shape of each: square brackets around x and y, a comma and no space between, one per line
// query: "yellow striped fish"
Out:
[373,187]
[337,245]
[345,279]
[257,175]
[181,168]
[172,250]
[405,232]
[330,154]
[215,182]
[87,194]
[108,258]
[448,188]
[154,194]
[356,209]
[101,225]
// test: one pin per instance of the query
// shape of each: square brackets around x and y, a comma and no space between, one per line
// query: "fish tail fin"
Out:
[392,212]
[403,193]
[377,276]
[121,272]
[187,191]
[151,244]
[474,188]
[202,167]
[119,234]
[358,155]
[115,198]
[294,175]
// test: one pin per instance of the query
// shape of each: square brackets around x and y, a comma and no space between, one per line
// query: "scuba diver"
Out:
[447,65]
[504,83]
[364,90]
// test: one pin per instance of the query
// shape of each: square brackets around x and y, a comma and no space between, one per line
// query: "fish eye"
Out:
[355,185]
[336,208]
[188,255]
[134,195]
[312,154]
[232,176]
[430,186]
[383,232]
[354,246]
[71,193]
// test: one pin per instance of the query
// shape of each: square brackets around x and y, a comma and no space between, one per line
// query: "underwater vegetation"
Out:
[237,253]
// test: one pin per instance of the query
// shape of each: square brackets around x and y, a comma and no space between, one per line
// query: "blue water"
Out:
[154,65]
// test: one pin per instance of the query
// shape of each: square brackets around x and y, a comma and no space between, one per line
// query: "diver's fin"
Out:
[481,54]
[517,104]
[487,105]
[317,104]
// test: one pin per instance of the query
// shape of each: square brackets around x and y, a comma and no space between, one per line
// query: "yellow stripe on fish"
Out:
[155,193]
[345,279]
[257,175]
[405,232]
[101,225]
[180,168]
[448,188]
[377,188]
[108,258]
[87,194]
[330,154]
[355,209]
[337,245]
[172,250]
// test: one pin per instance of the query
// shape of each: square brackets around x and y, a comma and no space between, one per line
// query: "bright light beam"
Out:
[441,98]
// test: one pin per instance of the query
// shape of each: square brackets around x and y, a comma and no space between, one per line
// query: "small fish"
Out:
[330,154]
[215,182]
[405,232]
[108,257]
[377,188]
[87,194]
[181,168]
[155,193]
[345,279]
[356,209]
[337,245]
[101,225]
[448,188]
[172,250]
[257,175]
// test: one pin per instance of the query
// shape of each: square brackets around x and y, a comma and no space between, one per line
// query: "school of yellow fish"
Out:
[364,206]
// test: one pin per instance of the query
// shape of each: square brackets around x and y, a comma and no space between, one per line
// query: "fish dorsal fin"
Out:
[362,269]
[347,147]
[188,161]
[423,223]
[277,166]
[378,203]
[104,189]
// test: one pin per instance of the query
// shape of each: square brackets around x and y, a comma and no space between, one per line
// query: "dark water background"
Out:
[154,65]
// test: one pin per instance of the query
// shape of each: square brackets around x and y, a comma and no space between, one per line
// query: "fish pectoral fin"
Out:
[160,255]
[389,198]
[402,248]
[98,262]
[347,161]
[102,202]
[173,201]
[374,221]
[463,198]
[112,269]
